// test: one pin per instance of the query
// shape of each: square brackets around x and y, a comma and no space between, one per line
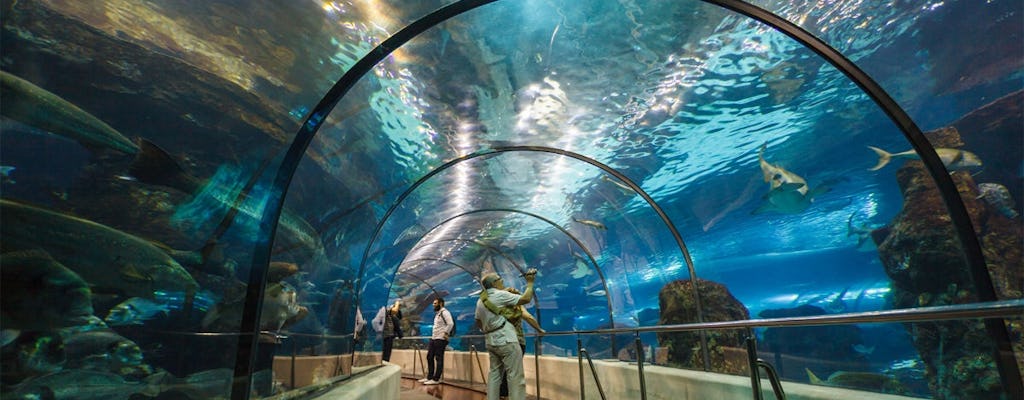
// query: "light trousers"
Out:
[506,359]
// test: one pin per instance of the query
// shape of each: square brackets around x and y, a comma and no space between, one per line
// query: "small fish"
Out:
[5,174]
[135,311]
[621,186]
[581,270]
[998,196]
[860,380]
[862,349]
[953,159]
[862,232]
[591,223]
[598,293]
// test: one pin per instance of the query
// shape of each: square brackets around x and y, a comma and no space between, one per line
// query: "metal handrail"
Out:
[418,356]
[993,309]
[593,370]
[640,367]
[476,355]
[773,377]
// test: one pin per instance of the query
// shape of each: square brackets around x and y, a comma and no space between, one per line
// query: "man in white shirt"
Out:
[502,344]
[443,329]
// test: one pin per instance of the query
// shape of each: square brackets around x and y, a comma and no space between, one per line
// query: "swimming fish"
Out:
[29,276]
[625,189]
[598,293]
[591,223]
[778,177]
[82,384]
[862,349]
[581,270]
[860,380]
[953,159]
[106,258]
[104,350]
[998,196]
[788,193]
[5,174]
[35,106]
[862,232]
[135,311]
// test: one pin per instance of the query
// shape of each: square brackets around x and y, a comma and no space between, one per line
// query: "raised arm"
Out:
[531,275]
[531,320]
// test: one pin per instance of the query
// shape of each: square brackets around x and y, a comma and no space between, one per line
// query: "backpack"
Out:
[452,317]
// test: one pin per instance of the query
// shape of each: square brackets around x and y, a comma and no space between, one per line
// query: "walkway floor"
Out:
[413,390]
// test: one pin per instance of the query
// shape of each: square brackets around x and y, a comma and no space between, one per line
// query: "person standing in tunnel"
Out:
[443,329]
[500,336]
[391,328]
[515,315]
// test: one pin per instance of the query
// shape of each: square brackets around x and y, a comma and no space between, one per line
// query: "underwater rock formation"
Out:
[684,348]
[958,355]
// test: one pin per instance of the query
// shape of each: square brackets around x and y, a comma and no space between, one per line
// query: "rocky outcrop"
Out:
[684,348]
[923,257]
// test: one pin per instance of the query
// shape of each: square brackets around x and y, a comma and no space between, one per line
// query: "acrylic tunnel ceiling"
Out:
[615,146]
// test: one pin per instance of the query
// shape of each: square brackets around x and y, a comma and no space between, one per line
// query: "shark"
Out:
[788,192]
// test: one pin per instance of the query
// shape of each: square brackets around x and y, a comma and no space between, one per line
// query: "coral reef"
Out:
[684,348]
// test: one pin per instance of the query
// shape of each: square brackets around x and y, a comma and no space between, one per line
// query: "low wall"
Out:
[560,379]
[380,384]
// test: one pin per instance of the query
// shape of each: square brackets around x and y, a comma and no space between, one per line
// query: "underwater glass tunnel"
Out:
[194,192]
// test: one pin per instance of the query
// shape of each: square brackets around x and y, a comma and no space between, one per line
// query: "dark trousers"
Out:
[389,341]
[435,355]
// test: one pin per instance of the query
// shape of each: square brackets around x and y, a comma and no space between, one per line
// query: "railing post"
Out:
[292,386]
[579,355]
[640,366]
[755,375]
[536,364]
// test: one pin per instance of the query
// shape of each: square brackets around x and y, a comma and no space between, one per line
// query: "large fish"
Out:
[777,176]
[30,275]
[953,159]
[788,193]
[32,105]
[108,259]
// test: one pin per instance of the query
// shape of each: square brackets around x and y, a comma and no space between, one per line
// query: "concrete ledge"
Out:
[380,384]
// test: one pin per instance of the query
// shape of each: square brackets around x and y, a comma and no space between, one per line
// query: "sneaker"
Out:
[422,380]
[431,382]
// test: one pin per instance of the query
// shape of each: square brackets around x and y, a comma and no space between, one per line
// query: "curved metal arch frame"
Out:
[249,325]
[457,265]
[505,149]
[432,288]
[475,242]
[268,223]
[590,256]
